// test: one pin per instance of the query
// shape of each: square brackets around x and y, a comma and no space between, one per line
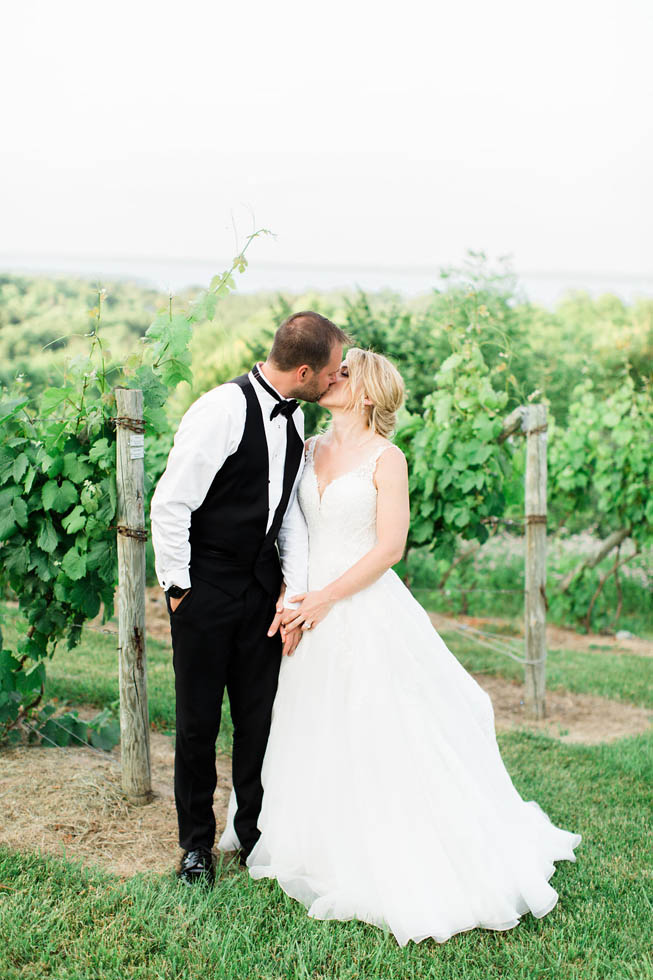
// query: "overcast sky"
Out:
[361,133]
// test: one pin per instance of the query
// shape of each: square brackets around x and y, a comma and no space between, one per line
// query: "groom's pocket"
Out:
[183,603]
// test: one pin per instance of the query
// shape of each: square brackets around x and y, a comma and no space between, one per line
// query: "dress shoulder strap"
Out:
[370,463]
[310,449]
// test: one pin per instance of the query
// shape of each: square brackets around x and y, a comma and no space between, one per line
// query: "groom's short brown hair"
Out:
[305,338]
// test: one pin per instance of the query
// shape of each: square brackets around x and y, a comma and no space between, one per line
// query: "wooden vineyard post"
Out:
[535,426]
[132,664]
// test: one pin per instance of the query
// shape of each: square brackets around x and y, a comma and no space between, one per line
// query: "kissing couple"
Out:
[367,776]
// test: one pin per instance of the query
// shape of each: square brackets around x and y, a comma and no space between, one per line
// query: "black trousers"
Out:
[219,642]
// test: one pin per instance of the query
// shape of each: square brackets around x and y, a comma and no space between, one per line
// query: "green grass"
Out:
[622,676]
[60,921]
[88,674]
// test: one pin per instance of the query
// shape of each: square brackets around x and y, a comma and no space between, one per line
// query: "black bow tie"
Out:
[283,406]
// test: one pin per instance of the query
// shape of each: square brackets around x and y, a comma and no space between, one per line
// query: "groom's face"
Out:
[314,384]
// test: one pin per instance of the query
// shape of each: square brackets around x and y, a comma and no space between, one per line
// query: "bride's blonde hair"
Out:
[374,377]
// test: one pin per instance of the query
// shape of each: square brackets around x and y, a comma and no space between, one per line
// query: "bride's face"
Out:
[338,394]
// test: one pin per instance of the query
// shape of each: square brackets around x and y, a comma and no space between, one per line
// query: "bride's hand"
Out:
[314,607]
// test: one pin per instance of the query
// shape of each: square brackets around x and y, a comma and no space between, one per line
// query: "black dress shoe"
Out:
[197,866]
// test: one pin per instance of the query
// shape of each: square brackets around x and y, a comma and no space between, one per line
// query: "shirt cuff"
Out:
[292,590]
[180,577]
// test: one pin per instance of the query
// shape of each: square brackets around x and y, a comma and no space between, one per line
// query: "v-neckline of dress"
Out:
[320,495]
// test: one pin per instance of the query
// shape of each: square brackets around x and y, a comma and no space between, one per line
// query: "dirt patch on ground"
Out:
[583,718]
[69,802]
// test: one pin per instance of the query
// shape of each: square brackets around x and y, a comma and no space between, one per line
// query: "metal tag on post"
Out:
[136,445]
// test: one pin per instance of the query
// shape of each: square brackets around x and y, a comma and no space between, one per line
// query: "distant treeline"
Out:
[44,322]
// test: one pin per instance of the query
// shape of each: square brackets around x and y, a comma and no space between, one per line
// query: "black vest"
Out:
[229,545]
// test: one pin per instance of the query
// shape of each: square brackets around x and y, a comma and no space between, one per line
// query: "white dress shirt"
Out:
[210,432]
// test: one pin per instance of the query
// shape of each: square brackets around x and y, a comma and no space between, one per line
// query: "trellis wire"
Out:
[462,588]
[503,648]
[455,624]
[136,424]
[104,755]
[98,629]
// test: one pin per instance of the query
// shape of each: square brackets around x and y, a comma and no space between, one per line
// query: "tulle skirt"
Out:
[385,795]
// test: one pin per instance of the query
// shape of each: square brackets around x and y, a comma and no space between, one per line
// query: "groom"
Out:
[228,532]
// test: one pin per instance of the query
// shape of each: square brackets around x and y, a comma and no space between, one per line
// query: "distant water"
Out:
[172,275]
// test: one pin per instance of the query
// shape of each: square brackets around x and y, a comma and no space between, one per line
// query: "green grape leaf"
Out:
[7,458]
[53,732]
[19,508]
[74,521]
[29,479]
[57,497]
[157,328]
[102,454]
[174,370]
[154,391]
[74,564]
[15,558]
[179,332]
[47,538]
[90,498]
[105,735]
[41,564]
[7,524]
[107,508]
[53,397]
[76,469]
[11,408]
[20,465]
[31,680]
[156,420]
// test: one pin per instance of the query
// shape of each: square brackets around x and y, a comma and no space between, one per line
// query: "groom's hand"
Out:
[291,642]
[175,602]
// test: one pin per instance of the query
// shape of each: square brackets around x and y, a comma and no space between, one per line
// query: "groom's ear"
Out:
[302,373]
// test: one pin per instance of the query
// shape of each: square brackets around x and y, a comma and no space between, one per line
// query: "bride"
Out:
[385,795]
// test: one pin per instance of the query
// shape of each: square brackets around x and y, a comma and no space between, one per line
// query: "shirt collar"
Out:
[267,380]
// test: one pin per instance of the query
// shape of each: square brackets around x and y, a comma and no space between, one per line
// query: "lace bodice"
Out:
[341,520]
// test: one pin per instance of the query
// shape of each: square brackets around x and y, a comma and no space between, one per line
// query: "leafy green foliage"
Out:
[469,353]
[101,731]
[58,492]
[456,465]
[602,462]
[601,474]
[473,302]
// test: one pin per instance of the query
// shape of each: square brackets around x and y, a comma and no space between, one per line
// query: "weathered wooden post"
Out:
[535,426]
[132,664]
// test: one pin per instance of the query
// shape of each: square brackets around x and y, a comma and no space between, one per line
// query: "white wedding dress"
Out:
[385,795]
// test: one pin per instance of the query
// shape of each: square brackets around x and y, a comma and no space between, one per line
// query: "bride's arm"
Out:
[392,520]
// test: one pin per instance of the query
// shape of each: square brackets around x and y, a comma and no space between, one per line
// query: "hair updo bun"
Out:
[373,377]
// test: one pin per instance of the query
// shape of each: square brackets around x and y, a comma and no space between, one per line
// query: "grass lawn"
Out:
[622,676]
[59,921]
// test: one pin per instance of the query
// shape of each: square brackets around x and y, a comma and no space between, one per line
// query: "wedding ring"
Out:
[308,626]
